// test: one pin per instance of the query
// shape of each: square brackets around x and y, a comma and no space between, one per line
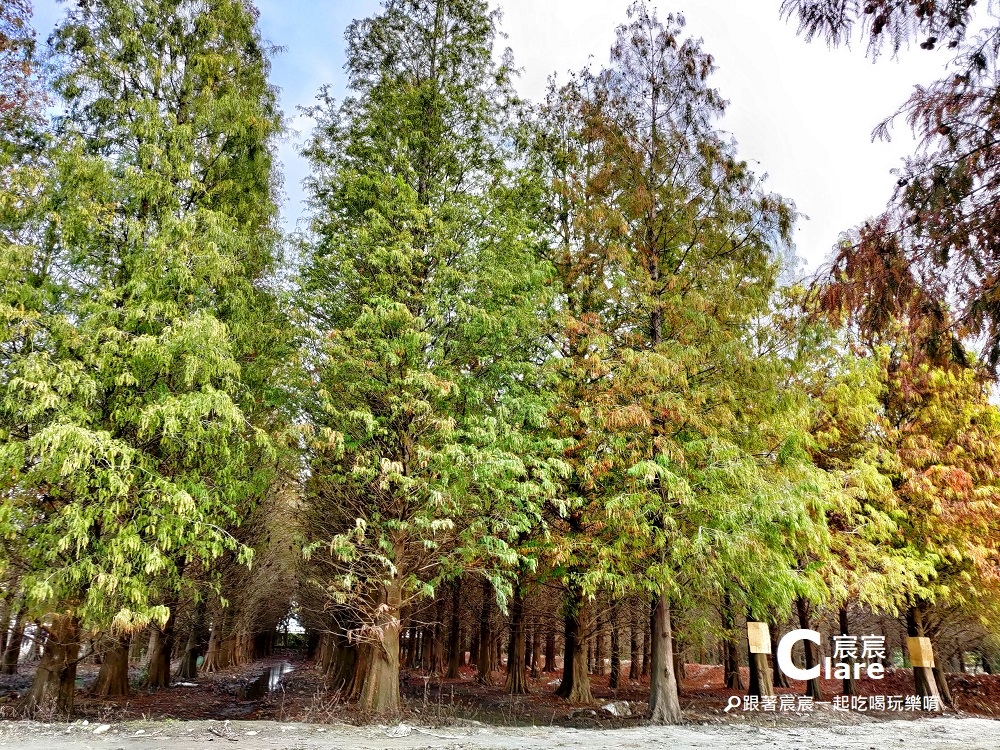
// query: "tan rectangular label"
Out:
[921,653]
[759,638]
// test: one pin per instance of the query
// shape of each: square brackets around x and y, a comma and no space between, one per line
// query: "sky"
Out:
[801,113]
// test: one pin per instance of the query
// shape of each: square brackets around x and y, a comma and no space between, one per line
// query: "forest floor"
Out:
[281,702]
[920,734]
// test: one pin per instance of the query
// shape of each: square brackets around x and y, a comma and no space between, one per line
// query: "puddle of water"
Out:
[266,683]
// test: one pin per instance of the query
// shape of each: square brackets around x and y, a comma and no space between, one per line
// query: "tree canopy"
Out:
[534,371]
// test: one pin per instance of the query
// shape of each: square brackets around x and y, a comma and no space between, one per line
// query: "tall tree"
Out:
[424,293]
[136,414]
[668,249]
[931,512]
[942,433]
[22,178]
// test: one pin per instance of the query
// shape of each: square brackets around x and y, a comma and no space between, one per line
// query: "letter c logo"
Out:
[785,663]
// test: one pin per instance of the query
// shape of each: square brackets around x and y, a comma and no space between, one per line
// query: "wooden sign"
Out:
[759,638]
[921,653]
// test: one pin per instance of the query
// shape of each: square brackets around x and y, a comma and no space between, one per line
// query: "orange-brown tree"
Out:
[941,229]
[668,250]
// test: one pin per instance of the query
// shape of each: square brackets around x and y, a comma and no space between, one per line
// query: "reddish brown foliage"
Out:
[18,93]
[892,23]
[937,246]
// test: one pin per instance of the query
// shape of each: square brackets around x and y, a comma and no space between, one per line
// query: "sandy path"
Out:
[921,734]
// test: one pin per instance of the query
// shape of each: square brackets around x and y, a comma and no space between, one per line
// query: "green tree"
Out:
[940,438]
[425,297]
[917,285]
[928,490]
[135,407]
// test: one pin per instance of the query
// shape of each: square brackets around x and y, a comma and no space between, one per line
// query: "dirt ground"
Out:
[921,734]
[295,711]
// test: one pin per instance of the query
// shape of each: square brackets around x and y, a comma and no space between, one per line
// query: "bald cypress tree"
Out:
[668,249]
[424,292]
[134,411]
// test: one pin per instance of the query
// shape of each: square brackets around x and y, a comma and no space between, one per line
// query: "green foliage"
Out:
[683,423]
[531,343]
[426,301]
[132,403]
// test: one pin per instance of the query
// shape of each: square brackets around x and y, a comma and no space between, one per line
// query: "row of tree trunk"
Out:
[365,663]
[62,644]
[363,668]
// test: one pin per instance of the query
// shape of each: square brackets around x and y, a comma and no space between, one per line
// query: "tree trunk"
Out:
[761,683]
[731,660]
[414,639]
[343,662]
[151,644]
[112,678]
[646,623]
[407,641]
[517,678]
[404,642]
[550,652]
[923,677]
[680,672]
[664,706]
[812,657]
[195,645]
[263,644]
[636,640]
[760,676]
[324,653]
[536,651]
[942,682]
[5,610]
[616,656]
[55,678]
[778,677]
[426,659]
[575,684]
[849,687]
[984,663]
[425,655]
[12,652]
[455,641]
[484,660]
[380,689]
[158,675]
[213,656]
[599,647]
[362,658]
[314,643]
[437,641]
